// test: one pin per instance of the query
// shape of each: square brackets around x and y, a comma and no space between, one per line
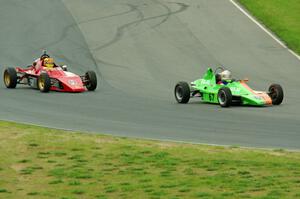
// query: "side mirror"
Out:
[245,79]
[64,67]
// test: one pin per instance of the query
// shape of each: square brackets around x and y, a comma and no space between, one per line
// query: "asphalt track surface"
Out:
[140,49]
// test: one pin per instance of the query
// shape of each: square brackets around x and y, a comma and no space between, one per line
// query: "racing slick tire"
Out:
[10,77]
[225,97]
[44,83]
[91,78]
[276,94]
[182,92]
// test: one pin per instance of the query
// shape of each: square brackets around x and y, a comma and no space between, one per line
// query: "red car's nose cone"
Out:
[72,84]
[69,82]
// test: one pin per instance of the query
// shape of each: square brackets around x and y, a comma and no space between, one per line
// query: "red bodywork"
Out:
[61,80]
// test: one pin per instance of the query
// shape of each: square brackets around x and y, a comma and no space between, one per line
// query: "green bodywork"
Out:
[208,88]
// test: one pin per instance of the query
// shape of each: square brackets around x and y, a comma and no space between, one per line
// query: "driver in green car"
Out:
[223,77]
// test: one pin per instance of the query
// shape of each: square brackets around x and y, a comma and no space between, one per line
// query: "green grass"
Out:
[46,163]
[280,16]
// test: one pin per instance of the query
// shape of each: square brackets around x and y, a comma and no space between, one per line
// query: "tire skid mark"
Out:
[121,30]
[168,14]
[116,38]
[67,28]
[131,9]
[197,39]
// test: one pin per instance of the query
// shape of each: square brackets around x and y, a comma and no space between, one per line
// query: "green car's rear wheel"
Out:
[182,92]
[225,97]
[276,94]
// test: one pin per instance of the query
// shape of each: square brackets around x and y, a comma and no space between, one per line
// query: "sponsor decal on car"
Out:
[72,82]
[69,74]
[235,89]
[204,81]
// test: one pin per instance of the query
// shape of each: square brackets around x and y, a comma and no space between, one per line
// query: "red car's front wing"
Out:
[66,82]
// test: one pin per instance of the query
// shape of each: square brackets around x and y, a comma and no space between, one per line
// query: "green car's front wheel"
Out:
[225,97]
[182,92]
[276,94]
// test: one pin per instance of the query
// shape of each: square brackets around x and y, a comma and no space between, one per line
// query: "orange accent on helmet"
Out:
[49,62]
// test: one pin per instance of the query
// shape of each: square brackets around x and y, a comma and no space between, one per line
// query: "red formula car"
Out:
[45,78]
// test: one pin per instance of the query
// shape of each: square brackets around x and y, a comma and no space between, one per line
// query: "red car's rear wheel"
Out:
[10,77]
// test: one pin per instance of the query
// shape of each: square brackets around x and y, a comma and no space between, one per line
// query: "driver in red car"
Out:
[44,61]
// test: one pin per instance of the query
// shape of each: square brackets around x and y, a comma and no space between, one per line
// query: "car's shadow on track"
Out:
[198,103]
[27,91]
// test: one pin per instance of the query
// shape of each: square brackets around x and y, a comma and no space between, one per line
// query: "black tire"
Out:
[44,83]
[182,92]
[91,78]
[10,77]
[276,94]
[225,97]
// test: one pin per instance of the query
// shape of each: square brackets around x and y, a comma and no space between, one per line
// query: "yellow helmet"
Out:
[49,62]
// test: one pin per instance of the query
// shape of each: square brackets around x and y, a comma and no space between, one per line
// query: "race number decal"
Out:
[211,97]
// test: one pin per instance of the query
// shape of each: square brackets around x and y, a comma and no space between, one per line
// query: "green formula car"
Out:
[219,88]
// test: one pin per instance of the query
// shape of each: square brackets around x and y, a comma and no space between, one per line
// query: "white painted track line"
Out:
[263,28]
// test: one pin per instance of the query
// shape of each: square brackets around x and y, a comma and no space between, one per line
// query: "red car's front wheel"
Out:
[44,83]
[91,79]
